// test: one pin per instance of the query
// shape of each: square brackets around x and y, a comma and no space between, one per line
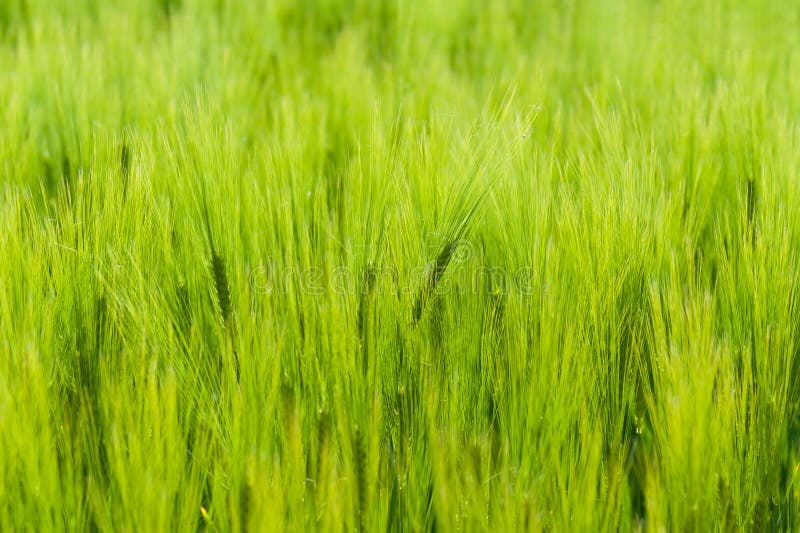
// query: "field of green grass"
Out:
[354,265]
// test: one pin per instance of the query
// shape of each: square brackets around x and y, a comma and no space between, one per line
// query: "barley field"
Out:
[358,265]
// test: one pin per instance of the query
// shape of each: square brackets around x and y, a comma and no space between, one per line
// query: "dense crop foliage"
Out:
[405,265]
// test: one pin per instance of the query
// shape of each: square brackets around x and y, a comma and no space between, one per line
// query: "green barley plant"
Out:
[347,265]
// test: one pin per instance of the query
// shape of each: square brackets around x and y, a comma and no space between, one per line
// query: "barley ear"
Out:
[221,285]
[429,288]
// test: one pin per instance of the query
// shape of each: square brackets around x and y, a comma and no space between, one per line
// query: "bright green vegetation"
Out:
[404,266]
